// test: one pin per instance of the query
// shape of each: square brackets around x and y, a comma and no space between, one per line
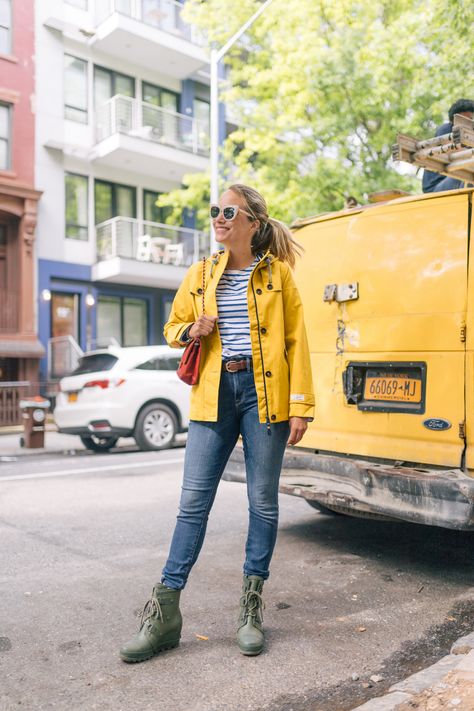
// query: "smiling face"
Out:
[238,233]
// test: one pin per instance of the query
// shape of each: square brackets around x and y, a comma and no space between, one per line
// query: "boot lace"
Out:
[253,604]
[151,609]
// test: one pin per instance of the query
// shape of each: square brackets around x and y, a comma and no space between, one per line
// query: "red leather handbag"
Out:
[188,369]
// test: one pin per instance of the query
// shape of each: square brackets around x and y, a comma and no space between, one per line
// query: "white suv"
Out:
[123,392]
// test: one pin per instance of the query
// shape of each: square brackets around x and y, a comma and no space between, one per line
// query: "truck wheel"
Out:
[156,427]
[321,508]
[98,444]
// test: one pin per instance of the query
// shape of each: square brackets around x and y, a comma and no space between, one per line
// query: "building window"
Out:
[108,83]
[151,211]
[113,200]
[81,4]
[124,319]
[5,136]
[76,206]
[160,97]
[75,89]
[5,26]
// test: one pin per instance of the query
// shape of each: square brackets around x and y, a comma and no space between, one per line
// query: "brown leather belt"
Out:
[232,366]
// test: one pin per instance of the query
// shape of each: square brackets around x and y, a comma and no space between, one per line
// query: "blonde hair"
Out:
[272,234]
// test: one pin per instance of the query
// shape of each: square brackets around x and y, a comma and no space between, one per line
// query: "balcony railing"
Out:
[9,305]
[165,15]
[149,242]
[122,114]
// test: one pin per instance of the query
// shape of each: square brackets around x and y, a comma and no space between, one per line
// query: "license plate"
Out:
[72,397]
[392,388]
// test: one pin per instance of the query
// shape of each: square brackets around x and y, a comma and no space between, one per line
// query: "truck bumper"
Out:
[419,494]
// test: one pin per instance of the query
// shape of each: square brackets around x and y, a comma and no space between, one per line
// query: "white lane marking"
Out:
[87,470]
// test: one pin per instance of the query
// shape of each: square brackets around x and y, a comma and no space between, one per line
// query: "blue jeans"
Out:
[448,184]
[208,448]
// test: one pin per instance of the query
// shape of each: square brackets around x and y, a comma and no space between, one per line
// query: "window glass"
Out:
[103,201]
[112,200]
[135,322]
[76,206]
[108,83]
[65,315]
[109,320]
[95,363]
[124,85]
[5,26]
[160,97]
[75,89]
[4,137]
[123,318]
[160,364]
[125,201]
[102,86]
[202,116]
[151,211]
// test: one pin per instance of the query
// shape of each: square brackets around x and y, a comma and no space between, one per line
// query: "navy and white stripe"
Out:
[234,325]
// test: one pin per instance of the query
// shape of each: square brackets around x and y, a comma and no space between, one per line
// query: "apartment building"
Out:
[20,349]
[122,114]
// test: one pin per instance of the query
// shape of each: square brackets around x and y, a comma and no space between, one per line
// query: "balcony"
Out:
[131,251]
[135,135]
[152,32]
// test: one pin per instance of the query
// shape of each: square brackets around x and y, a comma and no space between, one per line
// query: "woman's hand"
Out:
[298,426]
[203,326]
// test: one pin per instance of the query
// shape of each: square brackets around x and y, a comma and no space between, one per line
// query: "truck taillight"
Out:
[104,384]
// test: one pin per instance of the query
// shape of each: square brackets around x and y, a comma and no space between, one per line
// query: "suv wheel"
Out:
[98,444]
[156,427]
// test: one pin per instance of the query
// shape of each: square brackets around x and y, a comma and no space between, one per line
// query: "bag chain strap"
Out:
[203,283]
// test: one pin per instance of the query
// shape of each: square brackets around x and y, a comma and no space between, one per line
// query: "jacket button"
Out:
[199,290]
[268,373]
[269,287]
[263,330]
[273,417]
[259,291]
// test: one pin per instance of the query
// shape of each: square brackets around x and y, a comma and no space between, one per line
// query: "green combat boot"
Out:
[160,626]
[250,632]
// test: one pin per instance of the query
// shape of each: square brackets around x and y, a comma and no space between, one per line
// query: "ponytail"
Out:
[272,234]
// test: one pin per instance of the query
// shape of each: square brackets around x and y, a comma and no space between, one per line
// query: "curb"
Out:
[456,666]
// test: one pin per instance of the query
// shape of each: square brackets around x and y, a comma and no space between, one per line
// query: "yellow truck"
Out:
[388,292]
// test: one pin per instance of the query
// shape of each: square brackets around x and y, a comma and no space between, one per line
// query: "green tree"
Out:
[321,89]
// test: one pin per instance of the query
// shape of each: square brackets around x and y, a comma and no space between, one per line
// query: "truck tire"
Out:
[156,427]
[95,443]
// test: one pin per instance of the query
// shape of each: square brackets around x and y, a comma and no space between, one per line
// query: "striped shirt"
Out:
[234,325]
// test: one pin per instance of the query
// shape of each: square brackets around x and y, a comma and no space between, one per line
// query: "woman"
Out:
[254,381]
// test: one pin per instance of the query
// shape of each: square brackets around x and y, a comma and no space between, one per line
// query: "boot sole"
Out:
[251,652]
[141,658]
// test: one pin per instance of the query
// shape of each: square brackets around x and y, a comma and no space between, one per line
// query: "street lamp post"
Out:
[216,56]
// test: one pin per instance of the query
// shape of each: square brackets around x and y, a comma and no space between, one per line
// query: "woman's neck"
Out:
[240,259]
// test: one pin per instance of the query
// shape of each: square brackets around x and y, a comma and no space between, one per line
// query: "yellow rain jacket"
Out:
[280,353]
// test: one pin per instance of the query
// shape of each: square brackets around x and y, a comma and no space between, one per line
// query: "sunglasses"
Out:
[229,212]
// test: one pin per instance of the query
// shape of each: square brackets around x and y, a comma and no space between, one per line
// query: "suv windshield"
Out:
[95,363]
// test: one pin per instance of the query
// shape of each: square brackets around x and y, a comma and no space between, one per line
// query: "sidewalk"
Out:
[448,684]
[55,443]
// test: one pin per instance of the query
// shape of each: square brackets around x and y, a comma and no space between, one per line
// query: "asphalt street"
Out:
[84,539]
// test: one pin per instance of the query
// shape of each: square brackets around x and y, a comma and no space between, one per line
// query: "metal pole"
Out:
[216,56]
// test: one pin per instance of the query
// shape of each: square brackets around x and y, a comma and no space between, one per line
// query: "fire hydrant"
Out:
[34,420]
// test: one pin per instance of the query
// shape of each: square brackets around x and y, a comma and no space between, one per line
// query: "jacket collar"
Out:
[218,261]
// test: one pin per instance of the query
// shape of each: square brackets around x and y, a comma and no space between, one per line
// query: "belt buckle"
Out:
[229,364]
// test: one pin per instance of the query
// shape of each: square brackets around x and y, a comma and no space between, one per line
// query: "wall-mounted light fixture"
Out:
[90,300]
[45,295]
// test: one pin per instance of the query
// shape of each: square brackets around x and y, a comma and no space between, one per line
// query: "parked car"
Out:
[124,392]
